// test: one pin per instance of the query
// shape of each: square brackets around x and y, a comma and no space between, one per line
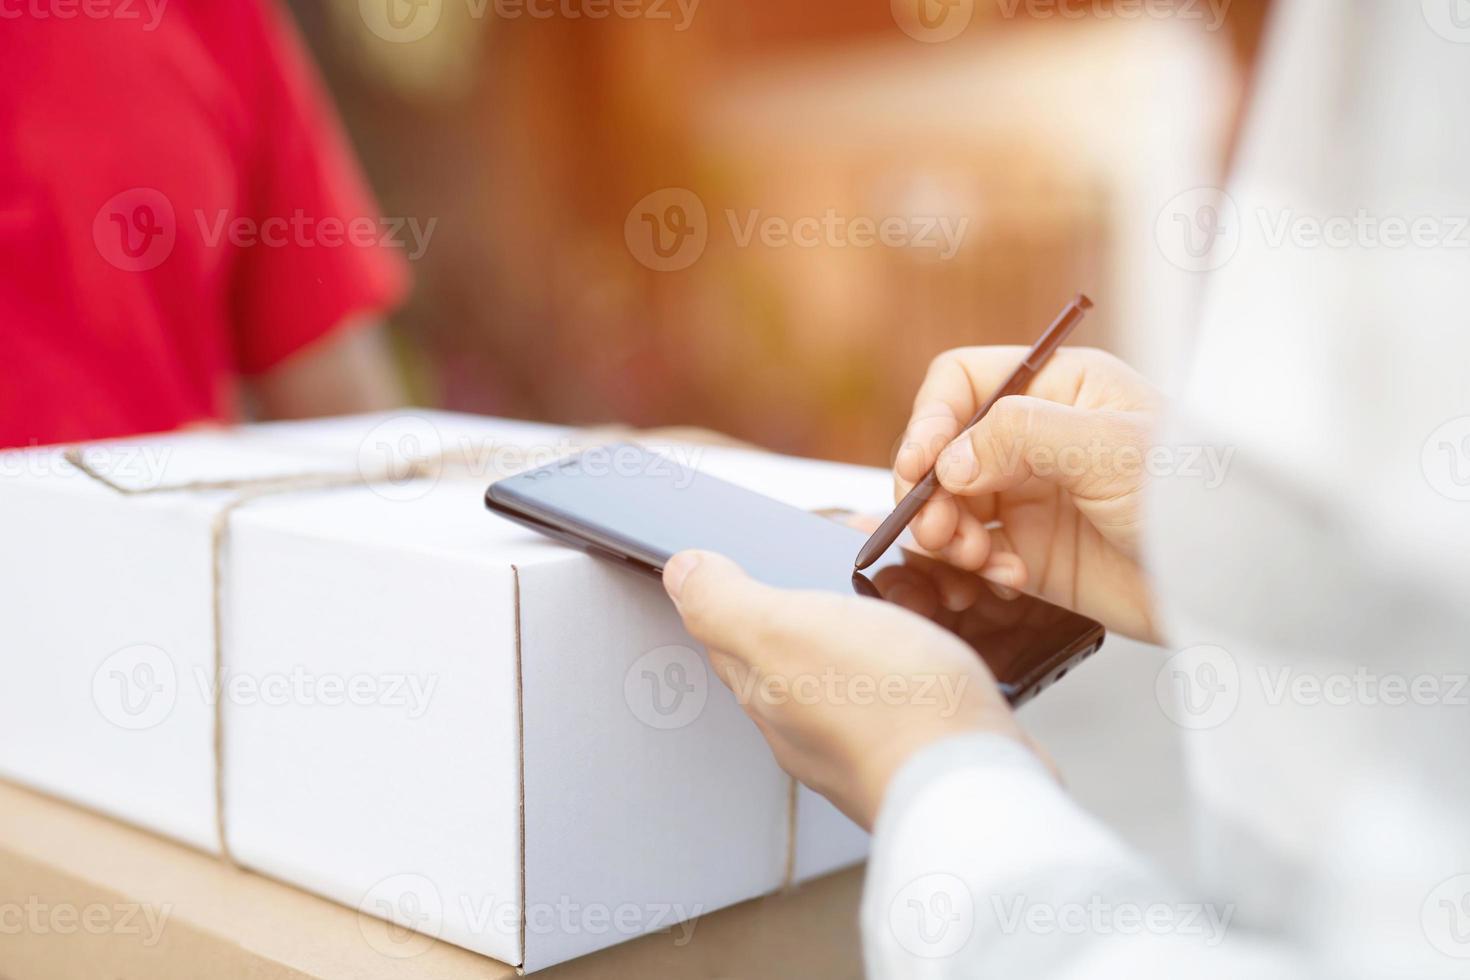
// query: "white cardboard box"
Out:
[428,713]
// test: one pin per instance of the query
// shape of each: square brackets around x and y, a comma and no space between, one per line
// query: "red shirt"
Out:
[178,208]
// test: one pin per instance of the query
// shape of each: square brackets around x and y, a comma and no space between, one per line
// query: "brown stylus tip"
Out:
[893,525]
[1083,302]
[878,542]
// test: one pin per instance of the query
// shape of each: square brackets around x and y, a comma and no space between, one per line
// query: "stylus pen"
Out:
[1036,358]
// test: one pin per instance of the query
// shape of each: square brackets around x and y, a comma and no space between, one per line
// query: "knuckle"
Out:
[942,362]
[1009,420]
[1095,357]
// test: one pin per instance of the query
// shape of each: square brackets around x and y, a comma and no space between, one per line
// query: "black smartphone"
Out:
[638,508]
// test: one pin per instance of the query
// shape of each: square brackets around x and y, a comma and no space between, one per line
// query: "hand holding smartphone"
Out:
[637,508]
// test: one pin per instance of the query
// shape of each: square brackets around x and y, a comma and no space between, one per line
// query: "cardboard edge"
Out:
[515,578]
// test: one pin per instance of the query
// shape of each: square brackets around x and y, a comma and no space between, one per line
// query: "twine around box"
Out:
[250,489]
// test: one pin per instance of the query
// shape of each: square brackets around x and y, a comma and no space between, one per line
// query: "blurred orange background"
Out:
[1042,135]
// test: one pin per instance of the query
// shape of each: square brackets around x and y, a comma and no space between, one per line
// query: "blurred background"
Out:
[1015,151]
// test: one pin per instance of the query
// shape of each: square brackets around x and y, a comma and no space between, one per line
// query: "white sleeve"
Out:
[983,867]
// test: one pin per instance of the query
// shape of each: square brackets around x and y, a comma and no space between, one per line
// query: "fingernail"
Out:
[910,457]
[1000,575]
[677,570]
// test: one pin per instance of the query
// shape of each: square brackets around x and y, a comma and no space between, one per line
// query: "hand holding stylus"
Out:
[1014,384]
[1045,492]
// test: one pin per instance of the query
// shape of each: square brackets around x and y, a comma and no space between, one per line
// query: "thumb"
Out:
[719,603]
[1023,437]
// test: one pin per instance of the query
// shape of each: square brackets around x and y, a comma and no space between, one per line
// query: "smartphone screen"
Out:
[639,508]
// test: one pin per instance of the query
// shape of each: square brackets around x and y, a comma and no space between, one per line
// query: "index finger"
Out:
[959,381]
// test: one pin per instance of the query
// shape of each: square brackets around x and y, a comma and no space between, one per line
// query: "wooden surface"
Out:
[60,864]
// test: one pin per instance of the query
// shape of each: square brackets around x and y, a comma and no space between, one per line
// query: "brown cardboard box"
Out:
[83,897]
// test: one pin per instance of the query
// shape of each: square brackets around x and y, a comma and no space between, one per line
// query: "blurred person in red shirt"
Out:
[183,228]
